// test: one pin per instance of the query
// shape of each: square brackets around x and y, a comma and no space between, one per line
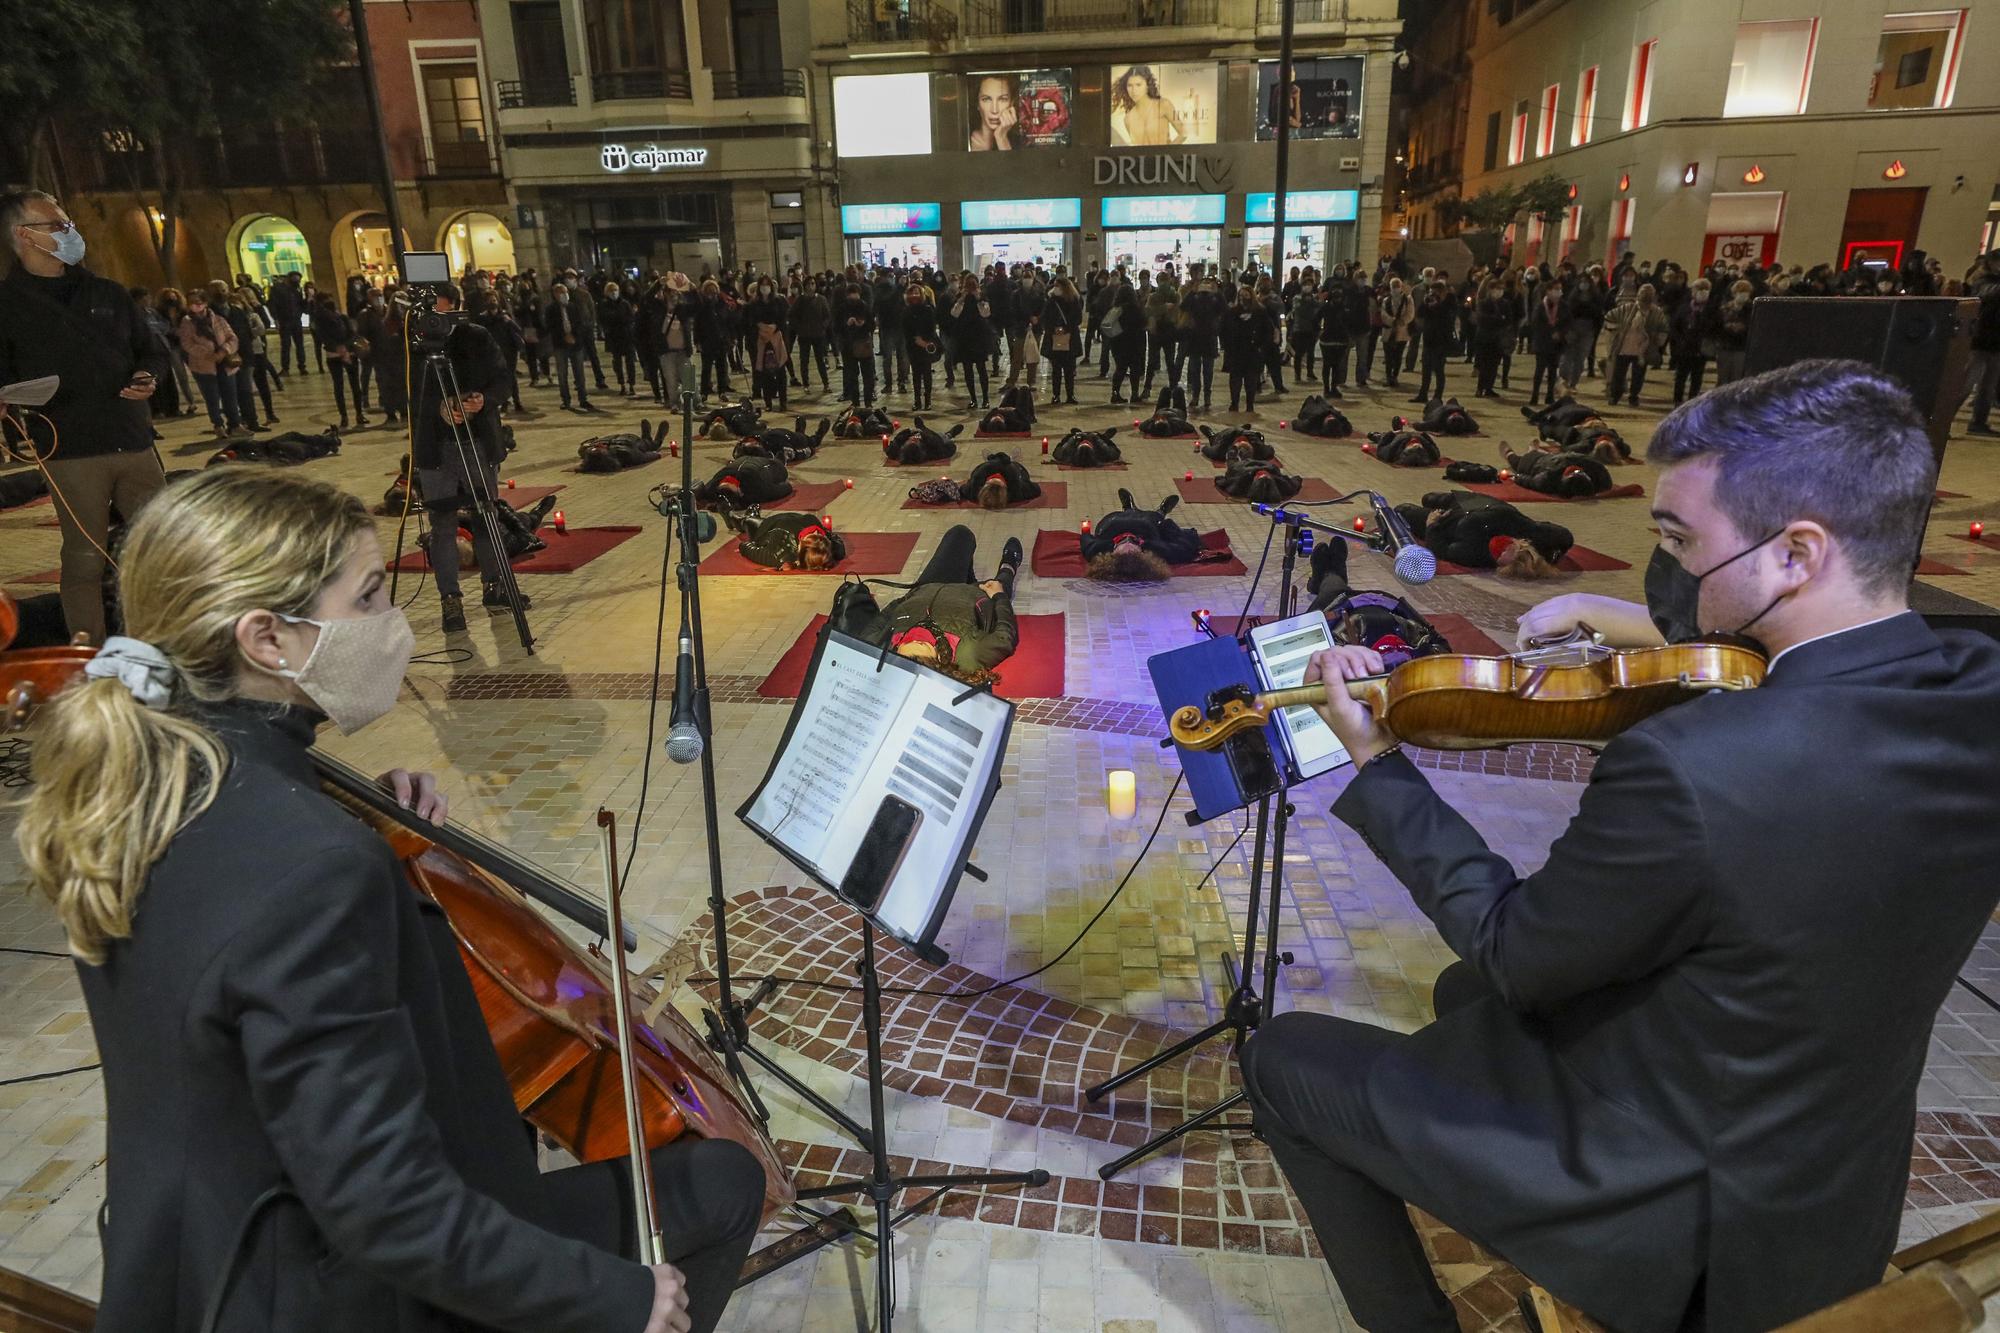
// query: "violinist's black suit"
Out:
[1676,1072]
[305,1105]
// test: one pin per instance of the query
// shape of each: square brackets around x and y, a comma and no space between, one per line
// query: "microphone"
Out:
[668,503]
[1414,563]
[684,744]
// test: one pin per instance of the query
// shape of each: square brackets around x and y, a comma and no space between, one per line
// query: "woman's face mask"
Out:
[356,667]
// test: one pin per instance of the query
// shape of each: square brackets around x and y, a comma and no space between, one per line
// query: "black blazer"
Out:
[1714,998]
[288,1017]
[87,330]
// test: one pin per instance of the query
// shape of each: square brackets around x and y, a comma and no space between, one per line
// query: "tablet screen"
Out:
[1283,647]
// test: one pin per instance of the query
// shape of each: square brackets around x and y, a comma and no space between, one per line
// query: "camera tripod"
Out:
[439,371]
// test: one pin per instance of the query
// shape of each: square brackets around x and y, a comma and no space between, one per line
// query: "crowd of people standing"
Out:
[893,331]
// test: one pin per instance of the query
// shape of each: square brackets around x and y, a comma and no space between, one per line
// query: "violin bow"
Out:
[652,1244]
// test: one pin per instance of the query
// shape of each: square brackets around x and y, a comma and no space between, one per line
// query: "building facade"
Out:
[1135,132]
[641,134]
[1840,131]
[1436,106]
[304,196]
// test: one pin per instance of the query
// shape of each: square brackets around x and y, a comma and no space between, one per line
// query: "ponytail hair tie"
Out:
[137,665]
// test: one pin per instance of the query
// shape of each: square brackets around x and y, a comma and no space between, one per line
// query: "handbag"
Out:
[1114,322]
[1059,340]
[1031,349]
[854,611]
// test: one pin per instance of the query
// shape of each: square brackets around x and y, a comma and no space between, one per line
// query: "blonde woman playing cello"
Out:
[309,1128]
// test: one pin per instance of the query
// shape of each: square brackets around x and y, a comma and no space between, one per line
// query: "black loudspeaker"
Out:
[1923,341]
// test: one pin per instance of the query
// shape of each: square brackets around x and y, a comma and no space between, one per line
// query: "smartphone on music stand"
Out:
[881,852]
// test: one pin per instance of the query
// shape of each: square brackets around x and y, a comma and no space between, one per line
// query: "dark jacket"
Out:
[920,326]
[479,368]
[758,481]
[1710,1023]
[1464,535]
[87,330]
[288,1015]
[1020,486]
[972,335]
[772,540]
[1247,331]
[984,626]
[616,317]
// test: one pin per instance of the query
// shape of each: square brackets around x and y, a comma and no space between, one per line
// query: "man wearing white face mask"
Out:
[308,1125]
[95,437]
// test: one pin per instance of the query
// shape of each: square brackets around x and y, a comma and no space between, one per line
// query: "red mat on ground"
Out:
[1035,671]
[1515,494]
[1950,495]
[1990,540]
[522,496]
[44,576]
[1003,435]
[1938,568]
[1580,559]
[867,553]
[1059,556]
[1220,463]
[564,554]
[807,497]
[1202,491]
[1055,495]
[1101,467]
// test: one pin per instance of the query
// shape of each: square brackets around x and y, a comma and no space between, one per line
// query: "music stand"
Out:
[1190,675]
[869,724]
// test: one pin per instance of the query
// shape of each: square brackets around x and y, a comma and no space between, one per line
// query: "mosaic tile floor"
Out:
[1202,1237]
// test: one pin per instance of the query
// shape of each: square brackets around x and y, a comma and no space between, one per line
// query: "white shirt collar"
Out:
[1772,664]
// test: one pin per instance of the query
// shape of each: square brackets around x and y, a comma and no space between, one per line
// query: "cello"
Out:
[548,1003]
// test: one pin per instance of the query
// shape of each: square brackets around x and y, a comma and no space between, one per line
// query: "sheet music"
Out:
[863,734]
[850,710]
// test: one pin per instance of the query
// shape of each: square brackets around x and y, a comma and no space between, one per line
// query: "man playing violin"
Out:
[308,1127]
[1673,1075]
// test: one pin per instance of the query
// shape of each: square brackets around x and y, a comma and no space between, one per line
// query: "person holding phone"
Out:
[94,438]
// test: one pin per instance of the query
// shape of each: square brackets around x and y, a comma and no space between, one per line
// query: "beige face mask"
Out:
[356,668]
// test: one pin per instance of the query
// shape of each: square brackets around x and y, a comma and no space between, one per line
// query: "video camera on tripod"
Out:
[426,328]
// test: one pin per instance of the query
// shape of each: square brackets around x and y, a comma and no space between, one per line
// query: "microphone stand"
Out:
[1248,1004]
[728,1019]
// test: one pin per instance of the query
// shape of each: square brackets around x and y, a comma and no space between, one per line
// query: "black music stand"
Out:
[913,905]
[1208,779]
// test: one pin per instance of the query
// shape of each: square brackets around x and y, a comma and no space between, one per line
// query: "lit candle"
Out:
[1977,530]
[510,480]
[557,519]
[1122,793]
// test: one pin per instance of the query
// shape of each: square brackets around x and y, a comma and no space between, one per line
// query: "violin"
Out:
[548,1003]
[1576,692]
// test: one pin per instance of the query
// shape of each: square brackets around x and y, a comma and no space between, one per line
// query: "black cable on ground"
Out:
[53,1073]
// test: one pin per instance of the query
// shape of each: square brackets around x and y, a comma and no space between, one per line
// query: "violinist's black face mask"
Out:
[1673,593]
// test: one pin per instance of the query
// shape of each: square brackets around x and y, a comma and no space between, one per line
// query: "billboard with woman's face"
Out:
[1022,108]
[1155,106]
[1324,100]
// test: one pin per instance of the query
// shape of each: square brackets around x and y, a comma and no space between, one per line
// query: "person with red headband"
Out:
[1480,532]
[786,541]
[1134,545]
[744,483]
[1566,475]
[950,619]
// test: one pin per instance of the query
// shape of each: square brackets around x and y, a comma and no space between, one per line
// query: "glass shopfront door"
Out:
[1154,247]
[1046,248]
[881,251]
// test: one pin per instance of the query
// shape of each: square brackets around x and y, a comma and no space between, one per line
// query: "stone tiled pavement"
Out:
[532,744]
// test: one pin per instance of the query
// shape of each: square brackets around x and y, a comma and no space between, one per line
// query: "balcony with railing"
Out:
[639,85]
[1270,13]
[513,94]
[900,23]
[735,83]
[1001,18]
[471,159]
